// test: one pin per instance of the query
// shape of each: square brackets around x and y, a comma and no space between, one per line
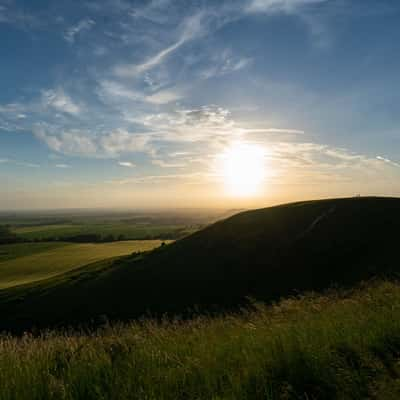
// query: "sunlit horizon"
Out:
[231,104]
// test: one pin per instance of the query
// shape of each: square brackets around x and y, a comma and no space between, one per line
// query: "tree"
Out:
[6,236]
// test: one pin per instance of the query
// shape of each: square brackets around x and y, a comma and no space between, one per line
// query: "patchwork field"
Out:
[28,262]
[116,229]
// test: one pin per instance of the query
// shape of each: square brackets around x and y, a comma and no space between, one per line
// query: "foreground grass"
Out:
[29,262]
[333,346]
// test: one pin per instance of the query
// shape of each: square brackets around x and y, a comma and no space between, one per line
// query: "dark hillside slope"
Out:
[265,254]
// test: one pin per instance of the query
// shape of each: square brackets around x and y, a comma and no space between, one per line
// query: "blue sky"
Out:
[130,104]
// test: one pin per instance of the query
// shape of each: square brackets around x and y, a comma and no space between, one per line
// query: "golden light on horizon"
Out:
[243,169]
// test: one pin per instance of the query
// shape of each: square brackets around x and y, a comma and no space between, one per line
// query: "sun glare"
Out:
[243,169]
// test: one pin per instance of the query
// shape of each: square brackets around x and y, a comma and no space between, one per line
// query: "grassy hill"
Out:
[266,254]
[338,345]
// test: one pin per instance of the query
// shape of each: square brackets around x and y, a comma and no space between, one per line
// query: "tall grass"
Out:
[331,346]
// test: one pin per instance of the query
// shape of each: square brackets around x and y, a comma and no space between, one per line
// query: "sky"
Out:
[146,104]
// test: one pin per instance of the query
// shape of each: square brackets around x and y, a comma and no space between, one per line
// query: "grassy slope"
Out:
[267,254]
[332,346]
[29,262]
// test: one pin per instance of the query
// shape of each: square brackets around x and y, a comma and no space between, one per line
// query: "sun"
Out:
[243,169]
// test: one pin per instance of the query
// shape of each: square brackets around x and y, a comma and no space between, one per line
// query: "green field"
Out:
[106,225]
[334,346]
[12,251]
[116,229]
[44,228]
[28,262]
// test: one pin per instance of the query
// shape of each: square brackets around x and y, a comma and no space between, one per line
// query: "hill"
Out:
[266,254]
[338,345]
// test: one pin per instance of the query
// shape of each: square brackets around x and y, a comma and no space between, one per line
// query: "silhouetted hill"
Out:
[266,254]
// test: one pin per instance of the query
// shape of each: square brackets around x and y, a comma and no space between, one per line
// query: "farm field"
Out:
[29,262]
[88,226]
[116,229]
[12,251]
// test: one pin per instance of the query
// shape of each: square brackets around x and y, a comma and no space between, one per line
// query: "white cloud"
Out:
[60,101]
[112,89]
[204,124]
[164,164]
[189,125]
[63,166]
[164,96]
[191,178]
[153,11]
[19,163]
[165,136]
[224,63]
[90,144]
[114,92]
[127,164]
[388,161]
[27,164]
[299,160]
[122,141]
[271,130]
[83,25]
[272,6]
[13,110]
[67,142]
[191,28]
[129,70]
[180,154]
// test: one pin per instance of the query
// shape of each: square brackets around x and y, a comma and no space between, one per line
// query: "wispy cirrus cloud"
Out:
[191,28]
[60,101]
[19,163]
[150,134]
[317,27]
[11,109]
[83,25]
[63,166]
[388,161]
[272,6]
[191,178]
[126,164]
[224,63]
[166,164]
[165,96]
[112,91]
[301,163]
